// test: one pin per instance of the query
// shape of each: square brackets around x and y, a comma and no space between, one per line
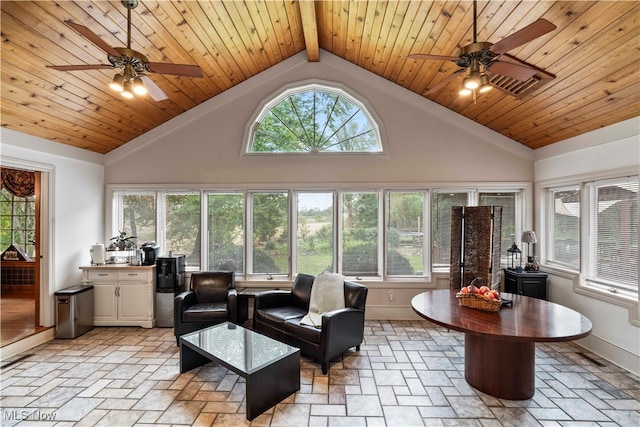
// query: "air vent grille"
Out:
[517,88]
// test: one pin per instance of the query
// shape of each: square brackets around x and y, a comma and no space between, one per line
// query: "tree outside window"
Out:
[270,228]
[225,213]
[315,119]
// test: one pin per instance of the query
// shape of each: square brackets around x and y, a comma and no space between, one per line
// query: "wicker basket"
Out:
[479,302]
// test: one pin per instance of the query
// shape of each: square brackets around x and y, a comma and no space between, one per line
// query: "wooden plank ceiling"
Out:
[594,54]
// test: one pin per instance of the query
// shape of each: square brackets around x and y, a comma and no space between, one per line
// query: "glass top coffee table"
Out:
[271,368]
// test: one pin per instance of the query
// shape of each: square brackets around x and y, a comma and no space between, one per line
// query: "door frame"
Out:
[44,292]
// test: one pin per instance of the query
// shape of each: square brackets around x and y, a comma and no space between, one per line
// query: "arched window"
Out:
[314,118]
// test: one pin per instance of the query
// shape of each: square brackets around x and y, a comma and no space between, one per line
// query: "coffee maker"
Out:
[151,252]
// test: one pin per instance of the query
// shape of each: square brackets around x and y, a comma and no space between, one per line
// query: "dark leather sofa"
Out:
[277,314]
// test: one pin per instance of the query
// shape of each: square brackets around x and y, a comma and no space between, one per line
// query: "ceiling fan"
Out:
[134,65]
[484,57]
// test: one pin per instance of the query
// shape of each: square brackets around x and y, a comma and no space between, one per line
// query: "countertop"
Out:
[117,267]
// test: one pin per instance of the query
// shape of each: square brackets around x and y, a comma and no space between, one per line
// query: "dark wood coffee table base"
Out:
[500,368]
[275,377]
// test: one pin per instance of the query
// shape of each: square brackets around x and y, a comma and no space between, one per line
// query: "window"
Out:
[315,232]
[314,119]
[360,234]
[17,222]
[441,224]
[182,220]
[225,213]
[269,233]
[275,234]
[509,203]
[564,235]
[405,233]
[137,216]
[612,259]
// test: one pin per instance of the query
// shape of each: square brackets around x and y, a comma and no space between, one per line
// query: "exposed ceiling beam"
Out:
[310,29]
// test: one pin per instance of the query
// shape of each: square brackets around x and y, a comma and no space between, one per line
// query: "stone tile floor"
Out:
[408,373]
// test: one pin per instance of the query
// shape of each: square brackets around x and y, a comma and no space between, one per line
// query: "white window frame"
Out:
[580,283]
[113,219]
[590,243]
[249,233]
[550,214]
[381,233]
[206,226]
[304,86]
[426,232]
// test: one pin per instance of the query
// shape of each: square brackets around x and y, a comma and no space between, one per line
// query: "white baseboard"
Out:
[613,353]
[390,313]
[25,344]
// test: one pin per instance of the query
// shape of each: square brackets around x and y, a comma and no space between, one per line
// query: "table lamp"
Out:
[529,237]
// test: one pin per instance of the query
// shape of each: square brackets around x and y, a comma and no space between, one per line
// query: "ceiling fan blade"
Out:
[93,38]
[432,57]
[175,69]
[79,67]
[525,35]
[441,84]
[153,89]
[515,71]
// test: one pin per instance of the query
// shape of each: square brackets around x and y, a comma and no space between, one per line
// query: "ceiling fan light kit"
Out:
[483,59]
[133,79]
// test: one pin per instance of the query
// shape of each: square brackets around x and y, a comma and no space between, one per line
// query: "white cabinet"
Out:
[123,295]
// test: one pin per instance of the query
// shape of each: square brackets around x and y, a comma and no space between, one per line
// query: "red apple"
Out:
[495,294]
[484,289]
[473,289]
[488,295]
[464,290]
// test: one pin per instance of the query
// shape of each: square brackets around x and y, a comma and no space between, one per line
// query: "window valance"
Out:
[18,182]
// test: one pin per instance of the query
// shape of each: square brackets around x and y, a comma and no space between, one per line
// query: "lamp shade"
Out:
[529,237]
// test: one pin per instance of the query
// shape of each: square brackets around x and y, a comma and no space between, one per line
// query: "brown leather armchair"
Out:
[211,299]
[277,314]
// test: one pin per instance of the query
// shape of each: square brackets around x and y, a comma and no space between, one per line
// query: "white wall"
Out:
[604,153]
[426,142]
[74,194]
[427,145]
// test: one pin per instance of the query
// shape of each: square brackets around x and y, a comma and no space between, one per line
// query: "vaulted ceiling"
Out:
[588,67]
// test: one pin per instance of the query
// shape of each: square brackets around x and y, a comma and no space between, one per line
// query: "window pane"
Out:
[315,234]
[615,218]
[226,232]
[565,239]
[441,225]
[183,226]
[508,203]
[270,233]
[405,234]
[17,222]
[317,119]
[360,234]
[139,217]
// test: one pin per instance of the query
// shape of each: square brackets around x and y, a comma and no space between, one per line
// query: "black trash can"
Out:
[74,311]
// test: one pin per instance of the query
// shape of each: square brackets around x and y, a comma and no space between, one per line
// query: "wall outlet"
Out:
[390,295]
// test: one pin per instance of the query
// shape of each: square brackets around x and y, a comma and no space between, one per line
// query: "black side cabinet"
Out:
[527,284]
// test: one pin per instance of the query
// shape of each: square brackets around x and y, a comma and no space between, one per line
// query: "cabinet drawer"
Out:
[95,275]
[135,275]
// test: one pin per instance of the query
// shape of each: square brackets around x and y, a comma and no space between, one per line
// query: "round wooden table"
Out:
[499,347]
